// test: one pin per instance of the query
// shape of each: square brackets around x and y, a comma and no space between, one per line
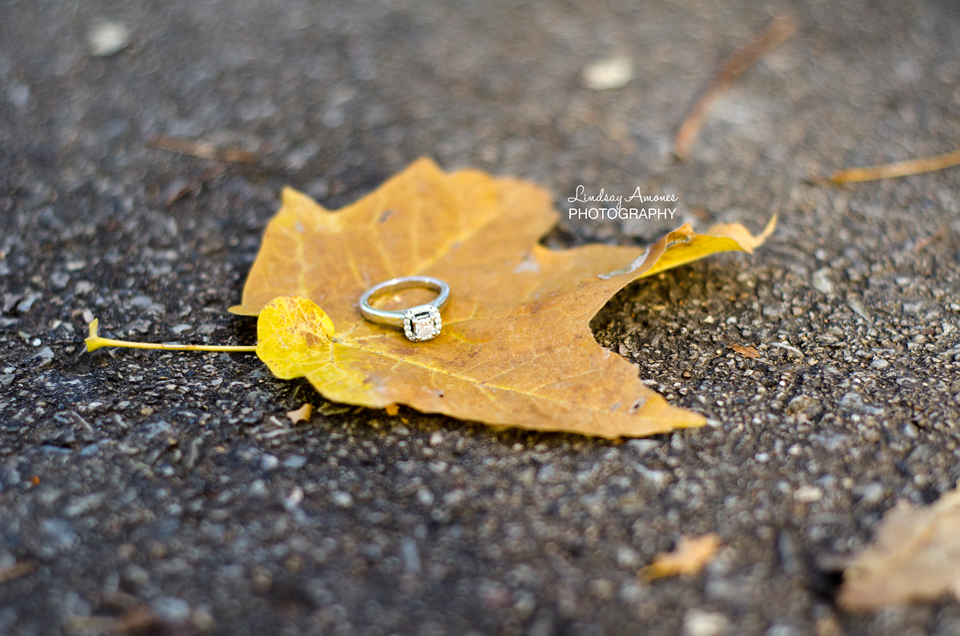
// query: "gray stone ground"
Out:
[133,479]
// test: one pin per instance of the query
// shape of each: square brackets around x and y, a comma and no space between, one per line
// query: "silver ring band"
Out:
[419,323]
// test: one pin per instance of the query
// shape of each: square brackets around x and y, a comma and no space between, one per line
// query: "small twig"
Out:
[82,422]
[779,31]
[924,243]
[194,185]
[16,570]
[898,169]
[138,620]
[276,433]
[200,149]
[787,347]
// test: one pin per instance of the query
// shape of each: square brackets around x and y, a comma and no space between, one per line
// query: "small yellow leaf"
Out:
[688,558]
[301,414]
[391,409]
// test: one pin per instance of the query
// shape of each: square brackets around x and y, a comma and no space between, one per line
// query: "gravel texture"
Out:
[167,493]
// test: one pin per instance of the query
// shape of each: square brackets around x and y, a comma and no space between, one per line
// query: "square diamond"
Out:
[422,323]
[422,327]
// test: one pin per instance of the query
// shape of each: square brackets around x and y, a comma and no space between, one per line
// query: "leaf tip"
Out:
[771,226]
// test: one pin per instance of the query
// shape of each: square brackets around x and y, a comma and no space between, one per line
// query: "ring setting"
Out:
[422,323]
[419,323]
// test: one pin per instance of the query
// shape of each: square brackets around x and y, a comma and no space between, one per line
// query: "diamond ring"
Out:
[419,323]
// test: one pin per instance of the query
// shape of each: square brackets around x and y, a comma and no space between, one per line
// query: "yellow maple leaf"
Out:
[516,347]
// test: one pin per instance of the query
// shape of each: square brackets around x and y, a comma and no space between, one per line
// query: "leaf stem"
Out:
[95,342]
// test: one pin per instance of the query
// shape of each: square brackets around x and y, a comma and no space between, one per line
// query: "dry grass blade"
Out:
[779,31]
[138,620]
[200,149]
[898,169]
[16,570]
[194,185]
[924,243]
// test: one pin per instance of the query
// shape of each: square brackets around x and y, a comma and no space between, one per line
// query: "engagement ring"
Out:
[419,323]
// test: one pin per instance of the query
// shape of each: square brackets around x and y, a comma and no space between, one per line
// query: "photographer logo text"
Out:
[614,208]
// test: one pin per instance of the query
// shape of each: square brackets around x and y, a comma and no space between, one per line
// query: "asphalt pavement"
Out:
[153,492]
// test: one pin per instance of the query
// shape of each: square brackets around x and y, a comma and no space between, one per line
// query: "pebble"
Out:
[425,497]
[632,591]
[342,499]
[26,304]
[628,558]
[60,531]
[822,282]
[643,446]
[294,498]
[808,494]
[269,462]
[851,401]
[60,279]
[295,462]
[85,504]
[19,96]
[697,622]
[410,555]
[871,493]
[258,488]
[783,629]
[611,73]
[106,38]
[171,609]
[857,307]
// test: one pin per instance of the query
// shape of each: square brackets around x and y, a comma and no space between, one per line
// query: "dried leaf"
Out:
[750,352]
[688,558]
[516,347]
[915,557]
[301,414]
